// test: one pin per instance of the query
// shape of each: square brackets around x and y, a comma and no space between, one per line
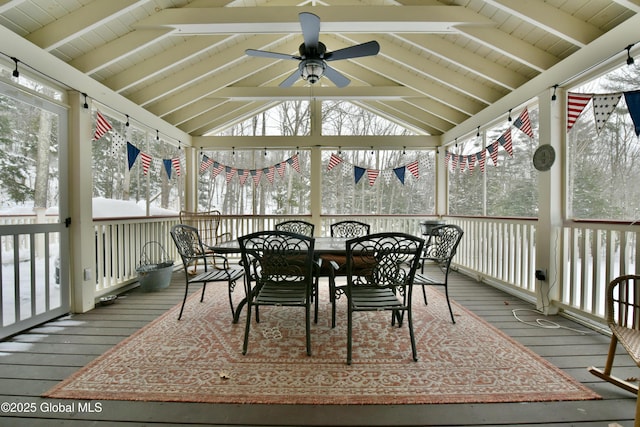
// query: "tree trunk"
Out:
[41,186]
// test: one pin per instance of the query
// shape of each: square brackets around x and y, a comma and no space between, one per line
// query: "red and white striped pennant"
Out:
[333,161]
[576,103]
[206,162]
[372,174]
[216,171]
[506,142]
[146,162]
[175,162]
[524,123]
[102,126]
[414,169]
[271,174]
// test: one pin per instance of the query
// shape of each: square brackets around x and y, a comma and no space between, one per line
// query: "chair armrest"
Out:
[220,258]
[421,278]
[220,236]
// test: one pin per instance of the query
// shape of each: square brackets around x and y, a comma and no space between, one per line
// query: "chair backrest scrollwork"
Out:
[350,228]
[383,259]
[443,244]
[296,226]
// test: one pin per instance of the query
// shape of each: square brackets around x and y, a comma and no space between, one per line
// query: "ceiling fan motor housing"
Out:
[313,52]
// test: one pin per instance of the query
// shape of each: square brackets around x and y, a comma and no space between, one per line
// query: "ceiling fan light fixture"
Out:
[311,70]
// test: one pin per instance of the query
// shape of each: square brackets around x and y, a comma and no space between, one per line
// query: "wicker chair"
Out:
[622,311]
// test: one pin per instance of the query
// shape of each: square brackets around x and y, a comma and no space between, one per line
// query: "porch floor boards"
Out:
[36,360]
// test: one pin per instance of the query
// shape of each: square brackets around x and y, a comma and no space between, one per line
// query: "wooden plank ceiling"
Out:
[440,63]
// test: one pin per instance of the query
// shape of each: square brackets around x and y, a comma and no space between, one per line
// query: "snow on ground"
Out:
[31,290]
[110,208]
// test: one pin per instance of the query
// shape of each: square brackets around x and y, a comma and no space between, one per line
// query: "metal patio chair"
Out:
[380,270]
[279,267]
[443,244]
[334,265]
[193,252]
[297,226]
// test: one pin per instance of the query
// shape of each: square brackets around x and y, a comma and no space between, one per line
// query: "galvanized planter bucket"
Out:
[155,270]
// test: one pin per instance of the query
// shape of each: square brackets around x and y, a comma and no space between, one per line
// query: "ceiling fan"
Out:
[314,56]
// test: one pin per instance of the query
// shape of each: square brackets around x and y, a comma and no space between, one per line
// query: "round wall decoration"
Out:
[544,157]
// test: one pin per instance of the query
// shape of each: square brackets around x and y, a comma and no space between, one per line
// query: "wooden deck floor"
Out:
[32,362]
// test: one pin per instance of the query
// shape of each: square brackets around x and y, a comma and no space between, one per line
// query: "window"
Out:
[289,118]
[386,184]
[255,182]
[345,118]
[29,157]
[603,165]
[509,185]
[154,180]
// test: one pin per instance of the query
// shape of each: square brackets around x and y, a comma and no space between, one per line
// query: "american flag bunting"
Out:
[576,102]
[102,126]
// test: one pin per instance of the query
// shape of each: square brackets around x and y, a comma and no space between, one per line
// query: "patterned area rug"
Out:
[199,359]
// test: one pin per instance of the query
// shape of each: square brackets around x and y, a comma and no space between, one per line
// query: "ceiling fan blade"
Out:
[337,78]
[266,54]
[357,51]
[289,81]
[310,24]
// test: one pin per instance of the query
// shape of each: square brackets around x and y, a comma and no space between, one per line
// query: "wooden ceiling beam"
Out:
[207,87]
[173,87]
[284,20]
[116,50]
[81,21]
[283,94]
[551,19]
[448,77]
[512,47]
[465,59]
[174,57]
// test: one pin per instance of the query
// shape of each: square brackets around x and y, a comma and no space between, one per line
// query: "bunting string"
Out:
[243,174]
[603,105]
[468,161]
[372,175]
[103,127]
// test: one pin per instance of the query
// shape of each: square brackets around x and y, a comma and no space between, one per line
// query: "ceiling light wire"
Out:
[16,73]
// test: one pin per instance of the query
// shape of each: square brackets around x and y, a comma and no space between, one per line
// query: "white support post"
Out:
[550,204]
[82,234]
[191,179]
[442,190]
[316,167]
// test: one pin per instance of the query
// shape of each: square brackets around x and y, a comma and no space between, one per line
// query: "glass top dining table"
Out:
[322,246]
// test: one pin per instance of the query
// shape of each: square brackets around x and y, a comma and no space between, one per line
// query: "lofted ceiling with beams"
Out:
[441,63]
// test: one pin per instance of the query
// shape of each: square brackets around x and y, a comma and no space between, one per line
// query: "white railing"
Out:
[590,254]
[498,251]
[23,241]
[119,243]
[593,254]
